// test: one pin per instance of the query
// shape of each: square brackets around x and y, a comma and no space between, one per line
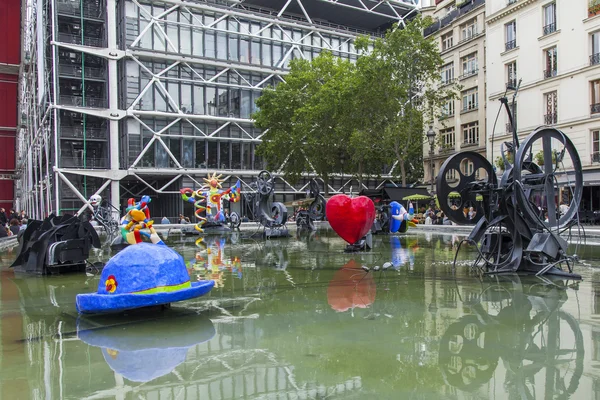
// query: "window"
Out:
[549,18]
[551,62]
[447,73]
[551,100]
[471,133]
[447,41]
[511,75]
[595,57]
[448,138]
[469,98]
[468,30]
[595,103]
[595,146]
[448,109]
[466,167]
[469,65]
[513,111]
[511,35]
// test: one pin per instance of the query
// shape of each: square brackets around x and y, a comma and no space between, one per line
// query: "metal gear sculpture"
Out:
[316,210]
[271,215]
[519,218]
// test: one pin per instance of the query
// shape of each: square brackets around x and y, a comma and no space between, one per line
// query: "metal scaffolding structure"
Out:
[124,97]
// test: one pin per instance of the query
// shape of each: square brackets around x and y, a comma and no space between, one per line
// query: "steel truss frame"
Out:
[38,142]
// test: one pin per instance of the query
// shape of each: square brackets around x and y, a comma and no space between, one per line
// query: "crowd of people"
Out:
[12,222]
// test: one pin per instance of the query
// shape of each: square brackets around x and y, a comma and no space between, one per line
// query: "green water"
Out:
[298,319]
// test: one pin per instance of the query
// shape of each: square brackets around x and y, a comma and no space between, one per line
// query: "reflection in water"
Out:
[522,325]
[304,320]
[351,287]
[210,264]
[147,350]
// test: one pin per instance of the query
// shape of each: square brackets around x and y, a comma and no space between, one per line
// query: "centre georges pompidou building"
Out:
[129,97]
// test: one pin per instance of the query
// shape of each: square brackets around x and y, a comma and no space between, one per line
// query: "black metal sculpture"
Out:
[271,215]
[518,219]
[103,215]
[305,219]
[57,244]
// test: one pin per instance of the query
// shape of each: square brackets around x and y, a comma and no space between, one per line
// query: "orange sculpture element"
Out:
[111,284]
[350,288]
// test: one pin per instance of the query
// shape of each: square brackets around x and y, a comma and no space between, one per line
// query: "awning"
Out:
[388,194]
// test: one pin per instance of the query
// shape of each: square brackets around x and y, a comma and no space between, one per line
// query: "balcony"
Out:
[550,119]
[75,71]
[595,108]
[78,101]
[468,37]
[550,28]
[452,16]
[511,84]
[77,133]
[550,73]
[90,162]
[509,128]
[595,157]
[76,39]
[595,59]
[67,7]
[468,74]
[471,107]
[511,45]
[470,143]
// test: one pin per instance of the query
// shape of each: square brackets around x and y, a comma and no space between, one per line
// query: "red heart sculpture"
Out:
[351,218]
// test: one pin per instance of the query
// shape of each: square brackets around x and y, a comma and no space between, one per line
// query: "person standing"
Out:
[15,226]
[3,219]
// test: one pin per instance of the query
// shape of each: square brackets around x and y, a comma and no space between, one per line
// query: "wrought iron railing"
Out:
[470,142]
[510,2]
[511,44]
[76,39]
[509,128]
[550,28]
[469,73]
[470,107]
[453,15]
[69,7]
[595,157]
[550,119]
[90,162]
[78,101]
[550,73]
[511,84]
[595,108]
[76,70]
[77,132]
[595,59]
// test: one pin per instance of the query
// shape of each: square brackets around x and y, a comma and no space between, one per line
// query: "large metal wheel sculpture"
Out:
[464,175]
[316,210]
[518,220]
[545,183]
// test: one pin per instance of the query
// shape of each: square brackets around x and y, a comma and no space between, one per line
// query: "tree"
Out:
[398,90]
[304,118]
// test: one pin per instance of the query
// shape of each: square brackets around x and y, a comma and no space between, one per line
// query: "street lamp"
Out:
[431,139]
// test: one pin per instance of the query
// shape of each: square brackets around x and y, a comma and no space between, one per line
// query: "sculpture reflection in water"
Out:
[351,287]
[540,346]
[210,262]
[146,350]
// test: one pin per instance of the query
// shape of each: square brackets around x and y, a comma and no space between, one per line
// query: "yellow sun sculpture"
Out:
[210,198]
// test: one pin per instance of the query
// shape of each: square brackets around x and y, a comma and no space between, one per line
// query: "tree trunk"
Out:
[360,175]
[402,172]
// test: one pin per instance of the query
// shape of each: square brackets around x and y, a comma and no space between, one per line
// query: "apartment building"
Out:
[459,29]
[553,47]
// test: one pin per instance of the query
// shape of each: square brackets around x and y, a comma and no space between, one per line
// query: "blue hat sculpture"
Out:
[142,275]
[145,351]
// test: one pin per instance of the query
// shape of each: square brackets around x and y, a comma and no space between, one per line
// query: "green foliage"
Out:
[305,117]
[334,116]
[539,157]
[500,161]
